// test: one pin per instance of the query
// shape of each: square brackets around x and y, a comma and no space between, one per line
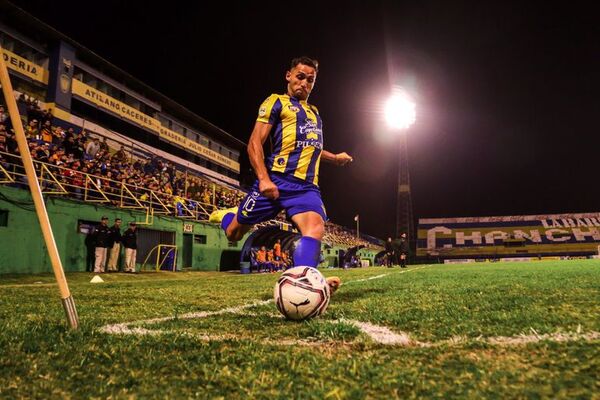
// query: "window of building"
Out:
[3,217]
[200,239]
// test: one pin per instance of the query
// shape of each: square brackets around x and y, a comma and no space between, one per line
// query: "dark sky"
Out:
[507,106]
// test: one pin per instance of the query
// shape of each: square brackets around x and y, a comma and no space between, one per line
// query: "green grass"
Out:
[250,356]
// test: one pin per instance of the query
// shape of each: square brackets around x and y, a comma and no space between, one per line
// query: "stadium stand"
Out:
[101,138]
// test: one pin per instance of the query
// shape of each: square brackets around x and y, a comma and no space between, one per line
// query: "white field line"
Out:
[123,328]
[382,334]
[377,333]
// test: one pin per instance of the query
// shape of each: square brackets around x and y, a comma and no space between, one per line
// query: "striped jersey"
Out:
[296,136]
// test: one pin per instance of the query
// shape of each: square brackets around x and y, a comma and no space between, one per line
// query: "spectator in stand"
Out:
[92,148]
[129,240]
[114,244]
[58,136]
[121,155]
[3,115]
[101,240]
[31,130]
[104,145]
[47,116]
[46,132]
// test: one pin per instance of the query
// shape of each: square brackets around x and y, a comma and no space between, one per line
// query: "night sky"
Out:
[507,94]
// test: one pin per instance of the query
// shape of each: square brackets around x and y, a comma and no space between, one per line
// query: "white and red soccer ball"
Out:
[302,293]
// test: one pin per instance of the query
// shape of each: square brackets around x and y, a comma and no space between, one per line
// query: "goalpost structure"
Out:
[161,257]
[36,193]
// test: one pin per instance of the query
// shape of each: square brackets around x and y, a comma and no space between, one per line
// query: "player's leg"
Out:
[312,226]
[308,248]
[237,221]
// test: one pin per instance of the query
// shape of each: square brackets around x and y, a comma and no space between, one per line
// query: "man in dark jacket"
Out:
[90,245]
[389,252]
[129,241]
[403,250]
[101,238]
[114,244]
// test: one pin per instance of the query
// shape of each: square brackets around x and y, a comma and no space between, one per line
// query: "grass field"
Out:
[501,330]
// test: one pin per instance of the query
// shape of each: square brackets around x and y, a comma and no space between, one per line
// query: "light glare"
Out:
[400,111]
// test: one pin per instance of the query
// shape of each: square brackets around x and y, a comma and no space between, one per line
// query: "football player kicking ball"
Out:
[288,178]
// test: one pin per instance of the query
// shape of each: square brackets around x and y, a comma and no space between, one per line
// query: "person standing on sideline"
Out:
[403,250]
[114,244]
[129,240]
[288,178]
[101,238]
[389,252]
[90,246]
[277,250]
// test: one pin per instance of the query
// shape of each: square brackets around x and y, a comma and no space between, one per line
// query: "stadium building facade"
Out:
[84,90]
[57,79]
[522,237]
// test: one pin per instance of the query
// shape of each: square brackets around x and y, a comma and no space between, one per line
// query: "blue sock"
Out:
[307,252]
[227,220]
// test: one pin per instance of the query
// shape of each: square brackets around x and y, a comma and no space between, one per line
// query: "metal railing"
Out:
[57,180]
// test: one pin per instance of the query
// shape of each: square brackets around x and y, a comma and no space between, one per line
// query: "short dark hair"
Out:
[311,62]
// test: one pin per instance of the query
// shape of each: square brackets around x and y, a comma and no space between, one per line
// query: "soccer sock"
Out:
[307,252]
[227,220]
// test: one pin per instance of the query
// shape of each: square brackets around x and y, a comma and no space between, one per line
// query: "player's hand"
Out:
[343,159]
[268,189]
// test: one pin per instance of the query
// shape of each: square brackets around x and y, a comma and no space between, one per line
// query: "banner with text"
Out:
[115,106]
[525,235]
[25,67]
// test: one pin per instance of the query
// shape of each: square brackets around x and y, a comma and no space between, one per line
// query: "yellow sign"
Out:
[198,148]
[25,67]
[102,100]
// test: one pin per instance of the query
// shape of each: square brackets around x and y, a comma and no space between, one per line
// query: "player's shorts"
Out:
[295,196]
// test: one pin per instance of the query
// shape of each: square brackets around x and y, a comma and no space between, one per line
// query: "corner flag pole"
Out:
[36,193]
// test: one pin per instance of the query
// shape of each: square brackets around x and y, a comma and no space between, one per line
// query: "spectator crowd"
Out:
[72,154]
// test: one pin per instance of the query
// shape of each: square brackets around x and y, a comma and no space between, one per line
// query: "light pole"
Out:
[400,114]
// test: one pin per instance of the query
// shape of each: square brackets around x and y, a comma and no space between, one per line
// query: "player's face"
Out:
[301,80]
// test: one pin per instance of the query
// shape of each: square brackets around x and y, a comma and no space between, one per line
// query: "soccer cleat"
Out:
[217,215]
[334,283]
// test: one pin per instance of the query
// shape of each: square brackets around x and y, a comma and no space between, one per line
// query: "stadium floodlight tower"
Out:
[400,114]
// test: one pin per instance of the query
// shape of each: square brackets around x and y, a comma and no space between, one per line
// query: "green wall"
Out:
[332,254]
[22,248]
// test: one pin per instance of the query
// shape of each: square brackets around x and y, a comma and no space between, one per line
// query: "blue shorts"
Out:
[295,196]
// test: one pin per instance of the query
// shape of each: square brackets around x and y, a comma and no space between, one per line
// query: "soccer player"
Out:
[288,178]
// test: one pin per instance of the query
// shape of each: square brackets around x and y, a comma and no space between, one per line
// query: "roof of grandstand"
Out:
[42,32]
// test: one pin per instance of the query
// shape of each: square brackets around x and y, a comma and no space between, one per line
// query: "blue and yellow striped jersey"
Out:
[297,136]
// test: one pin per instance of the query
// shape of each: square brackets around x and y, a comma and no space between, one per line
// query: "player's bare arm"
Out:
[256,154]
[337,159]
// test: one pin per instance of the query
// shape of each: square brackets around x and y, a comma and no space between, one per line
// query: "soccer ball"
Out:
[302,293]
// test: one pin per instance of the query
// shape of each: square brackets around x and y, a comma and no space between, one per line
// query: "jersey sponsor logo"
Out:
[262,111]
[310,135]
[293,108]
